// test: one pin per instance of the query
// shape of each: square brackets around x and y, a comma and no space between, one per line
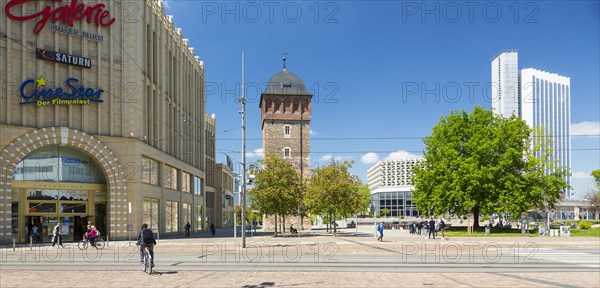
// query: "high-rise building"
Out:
[540,98]
[547,103]
[505,82]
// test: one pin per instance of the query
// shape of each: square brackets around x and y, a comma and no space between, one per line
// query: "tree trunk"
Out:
[475,217]
[334,226]
[275,225]
[283,222]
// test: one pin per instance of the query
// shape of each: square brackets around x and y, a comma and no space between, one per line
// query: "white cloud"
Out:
[370,158]
[328,157]
[581,175]
[585,128]
[256,153]
[400,154]
[313,133]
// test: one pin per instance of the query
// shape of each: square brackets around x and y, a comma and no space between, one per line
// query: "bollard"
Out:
[30,243]
[14,245]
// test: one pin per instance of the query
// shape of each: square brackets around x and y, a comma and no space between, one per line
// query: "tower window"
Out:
[286,153]
[277,106]
[287,131]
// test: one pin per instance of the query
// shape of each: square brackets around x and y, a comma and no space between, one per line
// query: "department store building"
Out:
[102,119]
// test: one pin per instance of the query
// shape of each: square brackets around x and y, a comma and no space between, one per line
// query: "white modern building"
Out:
[505,81]
[540,98]
[391,187]
[547,103]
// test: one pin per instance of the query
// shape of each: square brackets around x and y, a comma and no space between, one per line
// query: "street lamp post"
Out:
[243,190]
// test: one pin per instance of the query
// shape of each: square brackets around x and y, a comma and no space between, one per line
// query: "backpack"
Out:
[147,236]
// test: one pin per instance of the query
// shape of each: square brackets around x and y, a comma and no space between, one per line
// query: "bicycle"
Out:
[84,243]
[147,262]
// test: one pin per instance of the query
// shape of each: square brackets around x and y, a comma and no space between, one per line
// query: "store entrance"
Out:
[80,224]
[33,228]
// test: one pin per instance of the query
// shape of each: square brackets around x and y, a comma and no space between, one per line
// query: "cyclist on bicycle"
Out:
[146,240]
[187,229]
[91,236]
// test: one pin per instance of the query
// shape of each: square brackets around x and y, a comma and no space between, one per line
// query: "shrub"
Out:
[484,219]
[584,225]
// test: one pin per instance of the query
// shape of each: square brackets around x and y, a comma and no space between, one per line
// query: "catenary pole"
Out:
[243,191]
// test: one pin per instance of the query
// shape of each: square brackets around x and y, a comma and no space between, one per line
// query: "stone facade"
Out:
[150,105]
[286,114]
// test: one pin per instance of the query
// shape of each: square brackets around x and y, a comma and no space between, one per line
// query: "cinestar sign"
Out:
[65,14]
[74,93]
[63,58]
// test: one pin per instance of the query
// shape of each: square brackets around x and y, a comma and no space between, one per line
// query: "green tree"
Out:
[594,196]
[385,212]
[484,163]
[365,197]
[333,191]
[276,188]
[596,175]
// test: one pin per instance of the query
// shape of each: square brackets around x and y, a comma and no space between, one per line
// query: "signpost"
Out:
[524,223]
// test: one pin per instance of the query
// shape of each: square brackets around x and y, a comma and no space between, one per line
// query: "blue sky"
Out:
[360,58]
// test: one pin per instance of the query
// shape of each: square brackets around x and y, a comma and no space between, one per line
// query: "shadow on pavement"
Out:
[261,285]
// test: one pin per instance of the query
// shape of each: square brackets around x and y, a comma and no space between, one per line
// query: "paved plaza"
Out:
[315,259]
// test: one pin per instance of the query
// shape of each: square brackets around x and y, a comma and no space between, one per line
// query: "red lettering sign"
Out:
[65,14]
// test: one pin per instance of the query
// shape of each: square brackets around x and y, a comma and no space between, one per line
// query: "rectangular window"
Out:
[151,213]
[171,210]
[187,214]
[185,182]
[170,176]
[42,207]
[210,200]
[287,131]
[197,185]
[198,217]
[286,153]
[149,171]
[73,208]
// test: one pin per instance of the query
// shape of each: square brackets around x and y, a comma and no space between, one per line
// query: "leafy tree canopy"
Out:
[332,189]
[480,162]
[276,188]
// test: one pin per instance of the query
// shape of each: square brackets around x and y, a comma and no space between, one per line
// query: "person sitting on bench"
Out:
[293,230]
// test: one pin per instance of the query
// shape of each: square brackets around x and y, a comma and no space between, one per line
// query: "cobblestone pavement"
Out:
[246,279]
[400,261]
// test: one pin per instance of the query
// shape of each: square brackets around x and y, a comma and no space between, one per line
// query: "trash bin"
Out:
[487,230]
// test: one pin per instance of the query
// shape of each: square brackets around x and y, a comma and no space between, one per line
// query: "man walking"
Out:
[442,227]
[380,230]
[57,235]
[431,227]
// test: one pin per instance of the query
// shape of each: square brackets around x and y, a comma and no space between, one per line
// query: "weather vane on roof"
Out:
[284,58]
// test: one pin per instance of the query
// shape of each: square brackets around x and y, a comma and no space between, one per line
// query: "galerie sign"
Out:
[63,58]
[35,91]
[65,14]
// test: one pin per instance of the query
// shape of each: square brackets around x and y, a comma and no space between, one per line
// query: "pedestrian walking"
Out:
[431,227]
[57,236]
[34,233]
[380,230]
[442,227]
[213,231]
[187,229]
